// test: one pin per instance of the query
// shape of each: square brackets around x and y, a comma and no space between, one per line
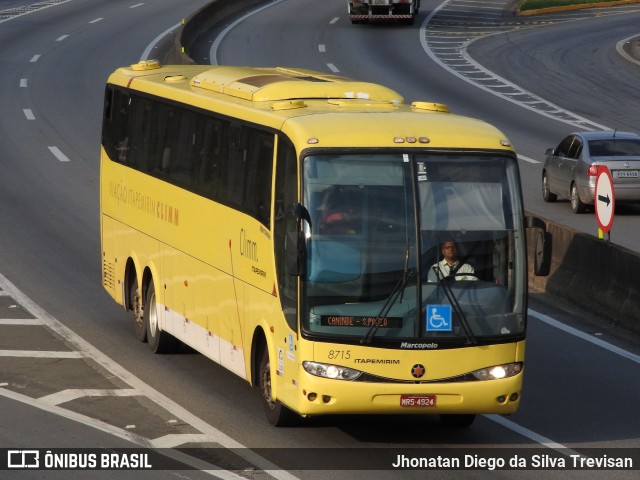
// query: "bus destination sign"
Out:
[354,321]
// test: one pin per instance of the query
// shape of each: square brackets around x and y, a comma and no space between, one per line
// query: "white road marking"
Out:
[119,433]
[530,434]
[29,114]
[585,336]
[333,68]
[23,83]
[74,393]
[58,154]
[61,38]
[62,412]
[527,159]
[154,42]
[620,49]
[21,321]
[38,354]
[41,6]
[525,432]
[514,94]
[97,20]
[136,5]
[216,44]
[35,58]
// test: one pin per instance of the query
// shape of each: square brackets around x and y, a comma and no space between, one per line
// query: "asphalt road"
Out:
[582,379]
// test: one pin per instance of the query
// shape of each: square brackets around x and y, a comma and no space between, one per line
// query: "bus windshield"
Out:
[379,261]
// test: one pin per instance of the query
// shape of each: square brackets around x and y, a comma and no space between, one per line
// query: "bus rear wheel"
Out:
[277,414]
[135,300]
[159,341]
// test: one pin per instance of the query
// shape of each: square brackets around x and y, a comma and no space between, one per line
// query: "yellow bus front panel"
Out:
[407,382]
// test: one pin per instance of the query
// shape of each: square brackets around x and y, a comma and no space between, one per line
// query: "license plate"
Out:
[417,400]
[627,173]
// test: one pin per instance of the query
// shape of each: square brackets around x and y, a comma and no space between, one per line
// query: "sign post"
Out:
[604,200]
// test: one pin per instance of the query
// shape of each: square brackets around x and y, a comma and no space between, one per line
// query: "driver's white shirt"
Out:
[445,269]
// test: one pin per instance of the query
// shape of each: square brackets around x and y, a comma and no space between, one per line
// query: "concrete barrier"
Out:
[592,274]
[585,271]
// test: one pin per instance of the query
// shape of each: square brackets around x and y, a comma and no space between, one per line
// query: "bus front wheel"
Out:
[277,414]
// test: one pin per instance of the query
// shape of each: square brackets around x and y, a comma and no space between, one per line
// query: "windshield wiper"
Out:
[445,282]
[394,295]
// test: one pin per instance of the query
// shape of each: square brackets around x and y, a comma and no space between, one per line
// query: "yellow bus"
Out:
[288,224]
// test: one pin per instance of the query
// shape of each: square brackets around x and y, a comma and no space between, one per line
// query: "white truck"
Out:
[405,11]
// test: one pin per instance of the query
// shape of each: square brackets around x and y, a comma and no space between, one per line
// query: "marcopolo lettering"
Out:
[418,346]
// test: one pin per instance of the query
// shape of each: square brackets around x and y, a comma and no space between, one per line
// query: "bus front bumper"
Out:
[319,396]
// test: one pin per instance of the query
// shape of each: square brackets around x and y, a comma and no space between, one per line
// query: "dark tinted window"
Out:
[575,149]
[565,145]
[614,147]
[215,157]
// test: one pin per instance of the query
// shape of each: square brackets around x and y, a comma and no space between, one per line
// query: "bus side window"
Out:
[248,171]
[120,133]
[108,128]
[139,123]
[115,140]
[211,158]
[260,162]
[234,171]
[181,160]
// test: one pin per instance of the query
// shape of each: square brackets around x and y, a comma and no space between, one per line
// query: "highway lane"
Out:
[49,238]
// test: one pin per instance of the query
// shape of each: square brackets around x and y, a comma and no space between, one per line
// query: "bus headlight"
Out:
[498,371]
[331,371]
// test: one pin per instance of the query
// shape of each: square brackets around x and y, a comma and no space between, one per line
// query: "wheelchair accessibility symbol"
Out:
[439,318]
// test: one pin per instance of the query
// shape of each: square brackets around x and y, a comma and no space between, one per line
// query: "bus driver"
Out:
[450,265]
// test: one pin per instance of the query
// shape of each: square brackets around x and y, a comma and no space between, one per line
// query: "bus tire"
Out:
[135,301]
[159,341]
[458,420]
[277,414]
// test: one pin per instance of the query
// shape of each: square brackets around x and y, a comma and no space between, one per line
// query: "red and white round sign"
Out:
[604,200]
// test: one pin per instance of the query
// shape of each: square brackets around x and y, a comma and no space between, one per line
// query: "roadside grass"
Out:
[529,6]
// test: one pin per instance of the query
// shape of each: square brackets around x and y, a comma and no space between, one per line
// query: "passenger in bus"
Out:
[341,213]
[451,265]
[122,150]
